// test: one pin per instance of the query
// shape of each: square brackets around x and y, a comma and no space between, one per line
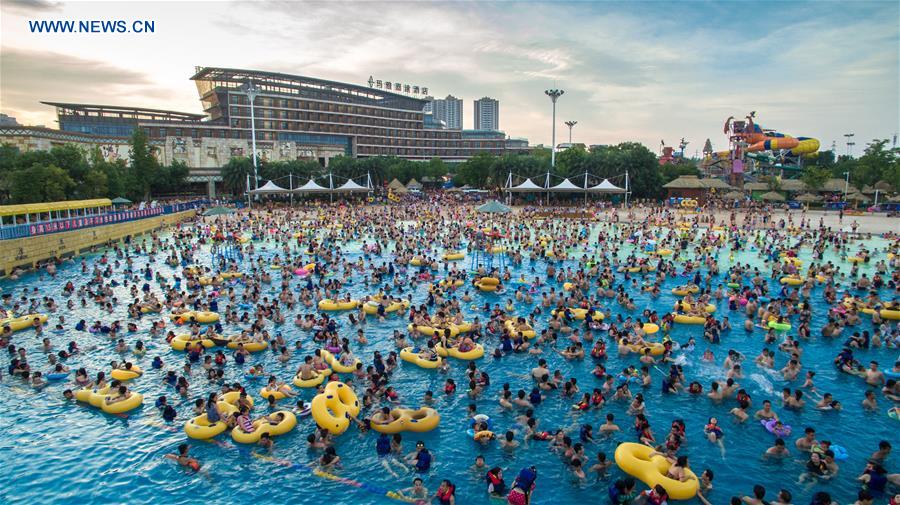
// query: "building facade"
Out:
[487,114]
[295,117]
[449,110]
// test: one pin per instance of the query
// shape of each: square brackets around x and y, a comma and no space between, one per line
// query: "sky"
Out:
[631,71]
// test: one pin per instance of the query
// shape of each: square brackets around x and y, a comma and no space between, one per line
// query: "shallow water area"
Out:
[63,452]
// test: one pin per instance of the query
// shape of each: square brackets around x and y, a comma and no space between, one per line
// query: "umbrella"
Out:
[493,207]
[734,195]
[858,197]
[121,201]
[807,197]
[217,211]
[772,196]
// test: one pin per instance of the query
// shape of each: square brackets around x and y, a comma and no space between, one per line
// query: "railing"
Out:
[90,221]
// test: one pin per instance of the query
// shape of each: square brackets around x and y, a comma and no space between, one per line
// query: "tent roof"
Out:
[269,188]
[858,197]
[772,196]
[526,186]
[807,197]
[793,185]
[834,185]
[566,186]
[350,187]
[395,185]
[413,184]
[713,183]
[606,187]
[493,207]
[311,187]
[120,201]
[685,182]
[734,195]
[756,186]
[217,211]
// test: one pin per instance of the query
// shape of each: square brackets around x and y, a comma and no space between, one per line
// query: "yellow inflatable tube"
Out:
[264,426]
[453,256]
[407,354]
[126,375]
[335,363]
[511,327]
[22,322]
[202,317]
[132,402]
[681,291]
[315,381]
[710,308]
[333,408]
[476,353]
[791,280]
[655,348]
[686,319]
[418,420]
[636,460]
[329,304]
[180,342]
[249,345]
[429,330]
[371,307]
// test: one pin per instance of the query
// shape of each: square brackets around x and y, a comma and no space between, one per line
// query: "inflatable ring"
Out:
[416,420]
[779,326]
[709,308]
[180,342]
[200,428]
[511,327]
[792,280]
[249,345]
[686,319]
[578,313]
[262,425]
[126,375]
[330,304]
[429,331]
[454,352]
[190,316]
[682,291]
[635,460]
[335,363]
[371,307]
[892,314]
[22,322]
[733,285]
[655,348]
[333,408]
[315,381]
[231,275]
[453,256]
[855,259]
[485,287]
[266,393]
[650,328]
[132,402]
[407,354]
[664,252]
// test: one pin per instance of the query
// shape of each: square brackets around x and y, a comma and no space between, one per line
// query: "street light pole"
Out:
[846,184]
[850,143]
[571,124]
[252,91]
[554,94]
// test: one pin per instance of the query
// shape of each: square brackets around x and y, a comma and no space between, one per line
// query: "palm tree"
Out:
[235,173]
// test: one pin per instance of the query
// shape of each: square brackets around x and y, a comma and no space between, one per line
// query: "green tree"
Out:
[144,165]
[877,162]
[235,173]
[815,176]
[40,183]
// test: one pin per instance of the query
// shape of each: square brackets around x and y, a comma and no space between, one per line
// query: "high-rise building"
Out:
[487,114]
[429,105]
[448,110]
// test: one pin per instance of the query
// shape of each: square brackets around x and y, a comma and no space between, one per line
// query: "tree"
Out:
[877,162]
[815,176]
[40,183]
[144,165]
[235,173]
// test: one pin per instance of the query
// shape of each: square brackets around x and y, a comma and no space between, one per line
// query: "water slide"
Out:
[759,140]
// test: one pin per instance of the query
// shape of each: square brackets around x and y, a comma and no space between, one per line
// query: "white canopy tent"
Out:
[311,187]
[606,187]
[269,188]
[528,186]
[566,186]
[351,187]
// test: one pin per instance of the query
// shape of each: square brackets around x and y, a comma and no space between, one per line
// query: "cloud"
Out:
[32,76]
[28,6]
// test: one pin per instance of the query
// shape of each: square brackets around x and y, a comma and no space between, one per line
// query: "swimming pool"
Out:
[62,452]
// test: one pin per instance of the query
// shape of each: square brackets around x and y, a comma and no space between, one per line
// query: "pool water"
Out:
[61,452]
